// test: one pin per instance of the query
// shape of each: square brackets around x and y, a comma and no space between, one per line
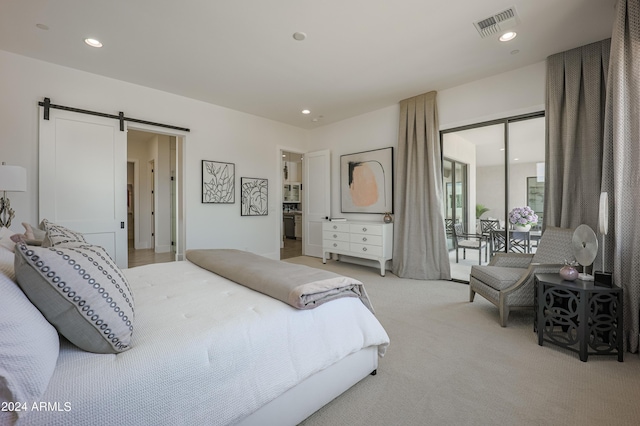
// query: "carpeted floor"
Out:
[450,363]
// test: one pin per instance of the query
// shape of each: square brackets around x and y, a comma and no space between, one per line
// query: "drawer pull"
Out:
[364,249]
[364,238]
[335,236]
[364,229]
[335,244]
[335,226]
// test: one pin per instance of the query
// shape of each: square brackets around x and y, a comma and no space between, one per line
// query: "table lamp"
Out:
[12,179]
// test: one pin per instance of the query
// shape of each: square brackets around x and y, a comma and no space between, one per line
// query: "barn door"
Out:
[83,178]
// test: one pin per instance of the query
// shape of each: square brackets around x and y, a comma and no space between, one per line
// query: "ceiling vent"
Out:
[497,23]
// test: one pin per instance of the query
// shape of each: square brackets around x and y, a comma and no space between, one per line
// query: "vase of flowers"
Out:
[521,218]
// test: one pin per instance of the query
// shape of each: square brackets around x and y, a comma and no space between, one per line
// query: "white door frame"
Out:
[181,147]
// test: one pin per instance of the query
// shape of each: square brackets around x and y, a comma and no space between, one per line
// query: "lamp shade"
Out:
[13,178]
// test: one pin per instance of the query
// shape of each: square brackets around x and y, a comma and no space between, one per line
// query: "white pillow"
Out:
[81,291]
[29,348]
[5,239]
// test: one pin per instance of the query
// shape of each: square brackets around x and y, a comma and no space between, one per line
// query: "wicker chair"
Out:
[507,281]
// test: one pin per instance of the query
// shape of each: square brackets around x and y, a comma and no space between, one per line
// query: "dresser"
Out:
[366,240]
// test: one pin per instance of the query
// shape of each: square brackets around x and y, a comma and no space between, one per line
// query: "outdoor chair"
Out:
[468,242]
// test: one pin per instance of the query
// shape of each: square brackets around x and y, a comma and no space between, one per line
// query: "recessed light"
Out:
[298,36]
[501,149]
[306,111]
[515,159]
[510,35]
[42,27]
[93,42]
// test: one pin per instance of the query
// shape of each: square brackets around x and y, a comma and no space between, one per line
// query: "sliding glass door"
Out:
[488,170]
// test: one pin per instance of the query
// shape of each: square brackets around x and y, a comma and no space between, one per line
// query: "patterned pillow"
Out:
[57,234]
[81,291]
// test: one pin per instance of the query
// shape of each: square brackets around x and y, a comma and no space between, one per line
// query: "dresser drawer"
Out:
[366,229]
[366,249]
[374,240]
[334,226]
[337,236]
[328,245]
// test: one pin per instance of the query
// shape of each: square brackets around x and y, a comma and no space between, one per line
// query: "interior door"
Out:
[317,195]
[83,178]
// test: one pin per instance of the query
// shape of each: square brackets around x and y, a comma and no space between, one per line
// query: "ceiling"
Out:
[358,56]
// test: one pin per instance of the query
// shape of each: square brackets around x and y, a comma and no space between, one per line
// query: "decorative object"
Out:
[218,182]
[12,179]
[366,181]
[521,228]
[585,248]
[254,196]
[535,194]
[387,217]
[569,271]
[602,278]
[523,216]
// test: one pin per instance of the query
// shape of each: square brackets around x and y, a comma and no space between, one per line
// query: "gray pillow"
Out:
[57,234]
[81,291]
[29,346]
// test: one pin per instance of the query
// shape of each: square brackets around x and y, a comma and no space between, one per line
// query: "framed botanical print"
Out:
[254,196]
[218,182]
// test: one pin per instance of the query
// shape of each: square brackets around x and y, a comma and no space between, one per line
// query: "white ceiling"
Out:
[359,55]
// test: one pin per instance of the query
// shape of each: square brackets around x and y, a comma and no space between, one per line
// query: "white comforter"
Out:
[205,351]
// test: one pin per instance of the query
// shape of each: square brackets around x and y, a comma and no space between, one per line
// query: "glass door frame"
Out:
[505,122]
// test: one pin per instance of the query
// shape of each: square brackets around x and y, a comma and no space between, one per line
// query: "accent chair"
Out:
[508,280]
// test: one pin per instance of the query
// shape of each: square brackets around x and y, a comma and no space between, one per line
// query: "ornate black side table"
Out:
[578,315]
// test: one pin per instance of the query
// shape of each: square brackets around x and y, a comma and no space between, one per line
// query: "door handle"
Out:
[121,225]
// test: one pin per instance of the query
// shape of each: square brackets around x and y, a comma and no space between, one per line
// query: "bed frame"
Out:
[310,395]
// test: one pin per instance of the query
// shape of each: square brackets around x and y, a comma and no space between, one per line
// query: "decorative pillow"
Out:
[29,348]
[81,291]
[5,239]
[33,232]
[57,234]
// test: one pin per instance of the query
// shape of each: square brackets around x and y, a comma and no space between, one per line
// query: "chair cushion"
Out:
[471,244]
[497,277]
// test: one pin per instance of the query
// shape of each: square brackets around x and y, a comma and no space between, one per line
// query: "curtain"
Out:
[621,168]
[420,247]
[575,101]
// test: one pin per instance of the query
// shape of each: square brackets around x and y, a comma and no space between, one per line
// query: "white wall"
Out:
[515,92]
[217,133]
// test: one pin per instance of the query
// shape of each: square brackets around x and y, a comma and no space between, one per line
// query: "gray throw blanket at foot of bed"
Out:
[300,286]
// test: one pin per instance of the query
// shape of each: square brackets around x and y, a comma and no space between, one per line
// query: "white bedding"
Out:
[205,351]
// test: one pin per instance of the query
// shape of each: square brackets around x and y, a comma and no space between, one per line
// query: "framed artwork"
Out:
[218,182]
[254,196]
[366,181]
[535,194]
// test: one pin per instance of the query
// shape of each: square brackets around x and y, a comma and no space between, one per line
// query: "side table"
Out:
[579,316]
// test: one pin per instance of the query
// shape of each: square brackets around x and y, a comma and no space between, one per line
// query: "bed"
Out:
[204,350]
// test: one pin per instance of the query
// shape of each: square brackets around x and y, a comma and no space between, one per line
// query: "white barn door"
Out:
[317,194]
[83,178]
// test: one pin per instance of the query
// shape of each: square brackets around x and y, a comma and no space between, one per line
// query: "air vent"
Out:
[498,22]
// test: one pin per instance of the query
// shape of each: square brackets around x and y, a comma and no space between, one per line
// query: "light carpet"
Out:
[450,363]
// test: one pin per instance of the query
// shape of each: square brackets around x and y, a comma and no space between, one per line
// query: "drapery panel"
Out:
[575,100]
[420,247]
[621,167]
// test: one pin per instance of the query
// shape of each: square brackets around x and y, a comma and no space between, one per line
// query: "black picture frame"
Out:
[377,196]
[218,182]
[254,196]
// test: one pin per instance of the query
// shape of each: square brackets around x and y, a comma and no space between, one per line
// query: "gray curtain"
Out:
[575,103]
[621,168]
[420,247]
